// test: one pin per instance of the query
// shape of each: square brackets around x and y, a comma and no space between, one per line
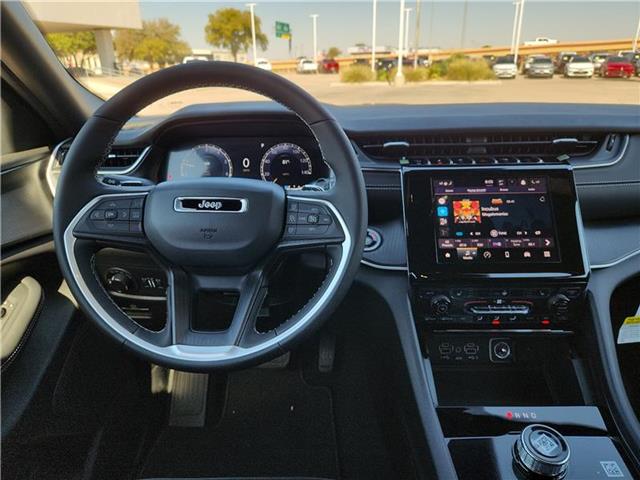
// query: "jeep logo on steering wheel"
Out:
[210,204]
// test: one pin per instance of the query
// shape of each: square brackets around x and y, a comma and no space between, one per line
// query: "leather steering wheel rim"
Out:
[79,190]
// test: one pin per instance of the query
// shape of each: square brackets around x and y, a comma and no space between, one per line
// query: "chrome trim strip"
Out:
[192,352]
[397,268]
[177,205]
[146,298]
[52,159]
[623,150]
[616,261]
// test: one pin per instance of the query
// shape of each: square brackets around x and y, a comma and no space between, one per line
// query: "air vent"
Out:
[118,159]
[122,158]
[480,149]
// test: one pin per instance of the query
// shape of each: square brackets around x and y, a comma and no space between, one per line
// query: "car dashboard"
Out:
[496,215]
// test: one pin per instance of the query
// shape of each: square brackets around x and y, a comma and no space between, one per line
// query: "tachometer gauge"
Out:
[206,160]
[286,164]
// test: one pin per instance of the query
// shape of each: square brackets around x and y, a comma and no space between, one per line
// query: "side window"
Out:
[21,127]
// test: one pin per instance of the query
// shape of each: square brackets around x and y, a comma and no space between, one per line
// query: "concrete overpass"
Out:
[611,46]
[100,17]
[551,50]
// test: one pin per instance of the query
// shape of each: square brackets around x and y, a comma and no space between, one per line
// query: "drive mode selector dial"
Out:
[541,452]
[440,305]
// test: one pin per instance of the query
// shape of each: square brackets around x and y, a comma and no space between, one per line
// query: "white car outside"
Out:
[307,66]
[263,63]
[579,66]
[194,59]
[541,41]
[505,69]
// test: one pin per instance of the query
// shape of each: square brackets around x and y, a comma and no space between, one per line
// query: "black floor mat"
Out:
[272,423]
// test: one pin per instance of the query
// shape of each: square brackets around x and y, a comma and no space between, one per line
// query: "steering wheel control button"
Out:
[541,452]
[115,216]
[292,207]
[97,215]
[501,350]
[115,204]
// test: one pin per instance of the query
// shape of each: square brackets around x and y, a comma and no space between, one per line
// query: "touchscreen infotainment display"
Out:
[493,219]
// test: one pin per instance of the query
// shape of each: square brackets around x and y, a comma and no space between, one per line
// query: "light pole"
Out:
[315,36]
[515,25]
[407,12]
[416,39]
[399,75]
[463,33]
[253,31]
[518,33]
[635,39]
[373,36]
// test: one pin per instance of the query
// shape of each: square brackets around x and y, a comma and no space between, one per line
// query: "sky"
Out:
[345,23]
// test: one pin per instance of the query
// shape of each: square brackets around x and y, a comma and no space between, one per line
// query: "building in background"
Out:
[220,55]
[99,17]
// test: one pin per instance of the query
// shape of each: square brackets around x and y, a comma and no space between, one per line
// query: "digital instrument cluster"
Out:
[292,163]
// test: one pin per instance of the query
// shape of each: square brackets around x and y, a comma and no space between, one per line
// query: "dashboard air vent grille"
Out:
[481,149]
[119,158]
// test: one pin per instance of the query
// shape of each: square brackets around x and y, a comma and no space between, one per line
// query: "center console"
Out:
[498,276]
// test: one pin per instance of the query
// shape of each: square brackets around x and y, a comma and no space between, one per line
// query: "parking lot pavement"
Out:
[328,89]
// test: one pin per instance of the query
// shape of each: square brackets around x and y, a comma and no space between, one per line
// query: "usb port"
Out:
[445,348]
[471,349]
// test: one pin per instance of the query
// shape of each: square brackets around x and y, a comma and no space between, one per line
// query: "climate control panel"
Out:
[542,307]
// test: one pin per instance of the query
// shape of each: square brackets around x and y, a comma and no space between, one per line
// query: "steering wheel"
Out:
[211,234]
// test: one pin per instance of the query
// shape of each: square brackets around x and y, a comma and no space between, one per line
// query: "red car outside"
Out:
[617,67]
[329,65]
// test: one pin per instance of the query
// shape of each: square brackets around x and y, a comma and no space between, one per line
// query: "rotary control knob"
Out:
[559,304]
[541,452]
[440,305]
[119,281]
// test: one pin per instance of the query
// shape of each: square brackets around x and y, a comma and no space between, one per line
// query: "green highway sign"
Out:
[283,30]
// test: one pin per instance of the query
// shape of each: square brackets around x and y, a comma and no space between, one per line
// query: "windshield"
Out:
[580,59]
[445,49]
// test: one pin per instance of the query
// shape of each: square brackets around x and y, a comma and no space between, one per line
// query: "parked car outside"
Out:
[562,59]
[529,61]
[541,41]
[329,65]
[634,58]
[191,58]
[617,67]
[263,63]
[541,67]
[598,59]
[307,66]
[505,68]
[579,66]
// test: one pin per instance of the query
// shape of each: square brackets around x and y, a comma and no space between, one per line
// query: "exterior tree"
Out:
[333,52]
[231,28]
[158,42]
[75,45]
[126,41]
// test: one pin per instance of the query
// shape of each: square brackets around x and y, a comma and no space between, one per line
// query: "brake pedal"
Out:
[188,398]
[326,352]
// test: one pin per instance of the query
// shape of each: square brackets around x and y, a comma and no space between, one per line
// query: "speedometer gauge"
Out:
[206,160]
[286,164]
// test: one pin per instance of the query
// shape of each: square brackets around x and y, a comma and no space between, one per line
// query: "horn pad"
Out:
[215,222]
